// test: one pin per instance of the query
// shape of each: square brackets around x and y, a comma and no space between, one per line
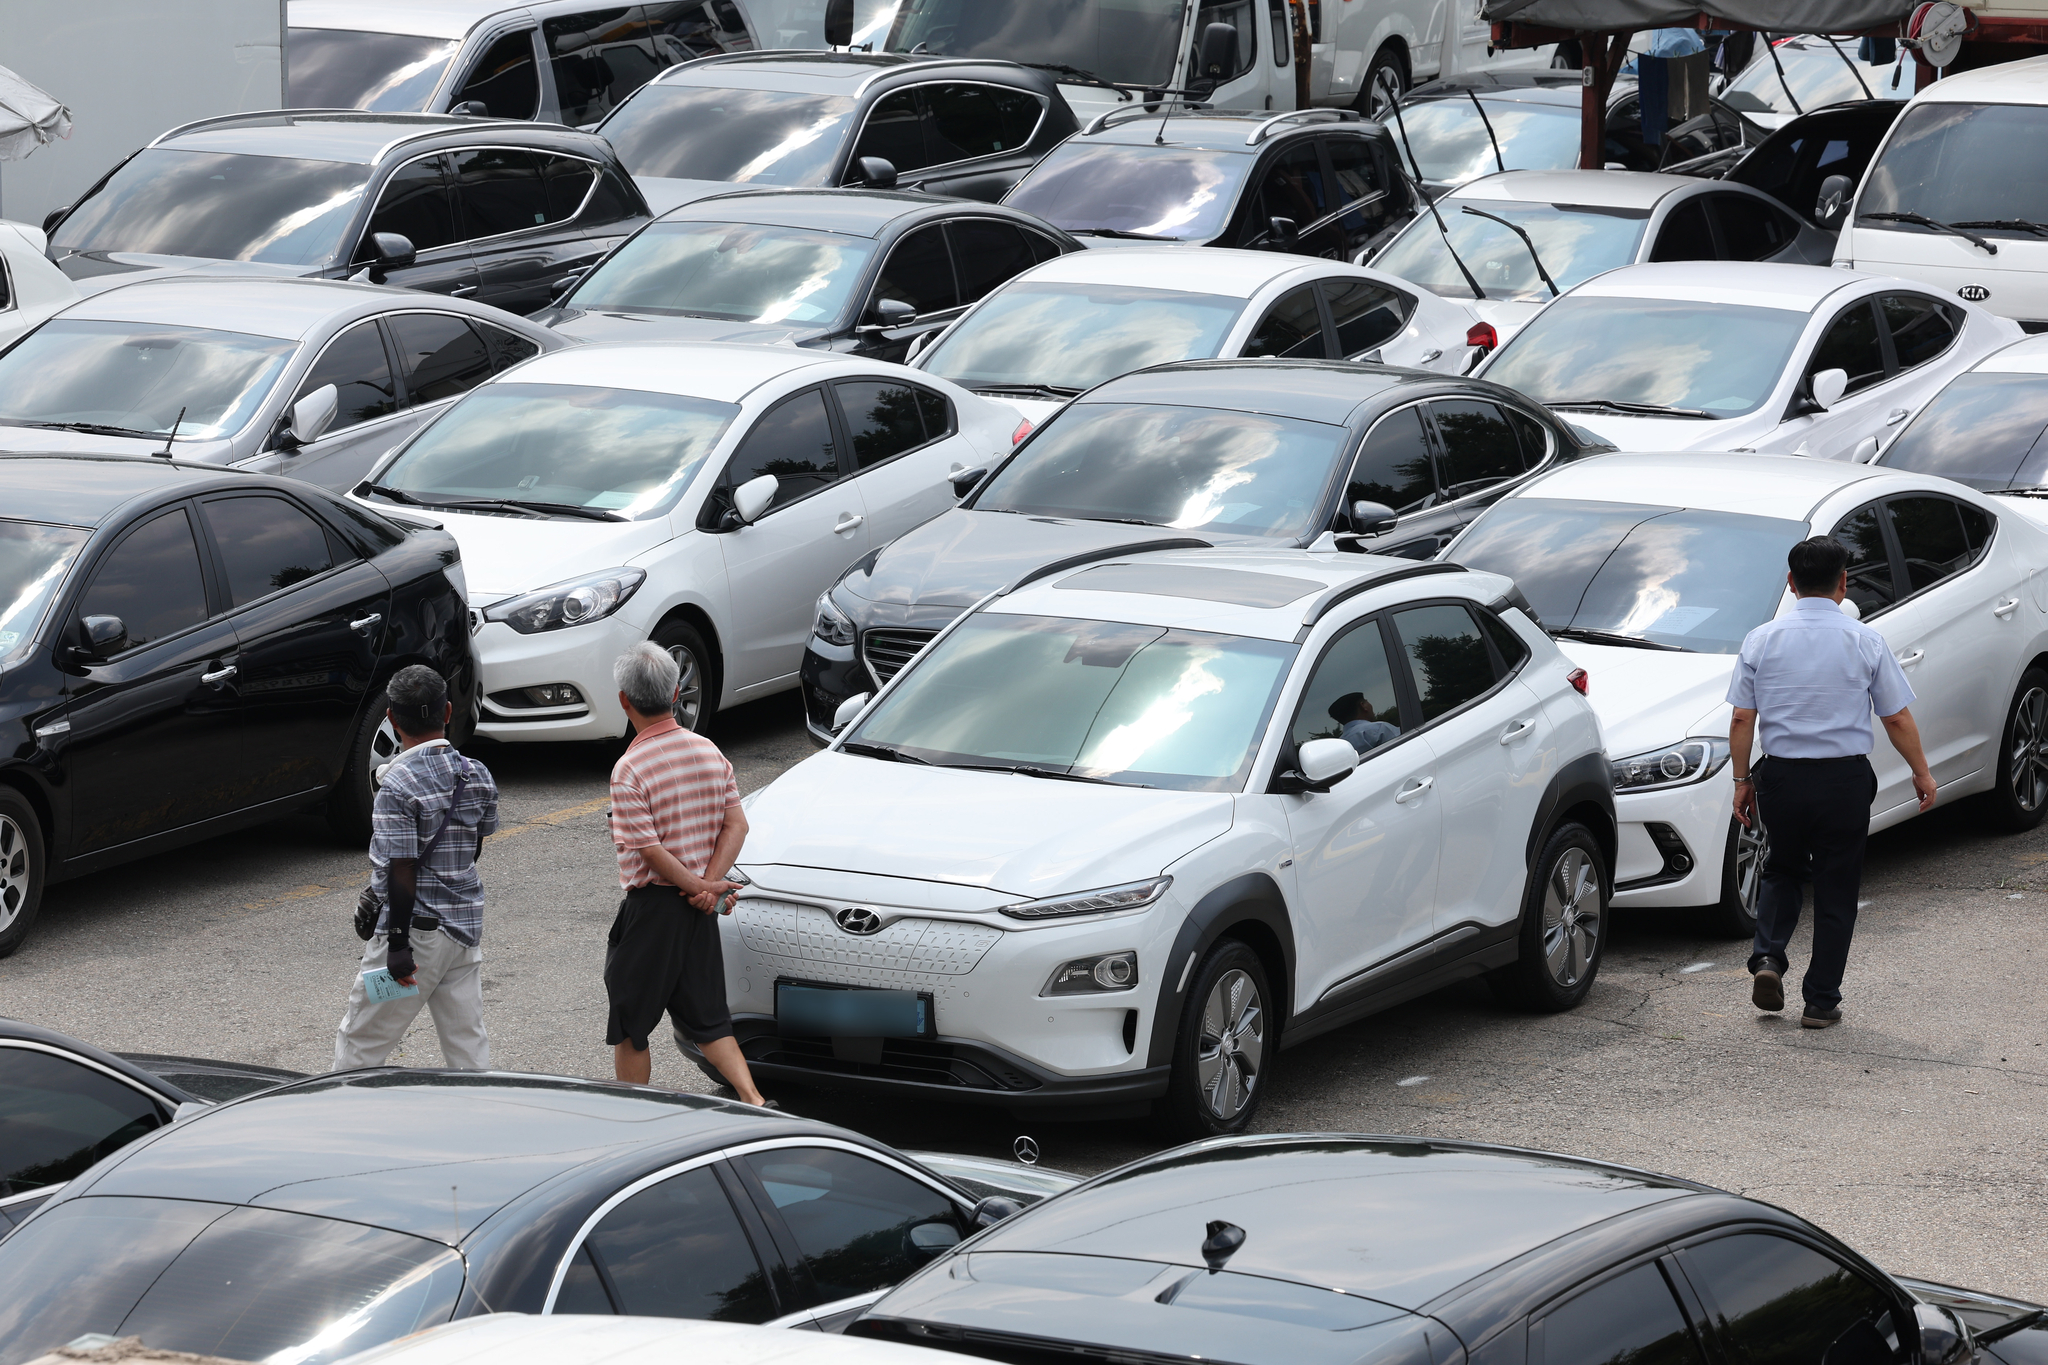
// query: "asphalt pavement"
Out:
[1914,1129]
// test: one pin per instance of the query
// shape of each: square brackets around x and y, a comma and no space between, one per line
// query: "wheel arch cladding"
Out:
[1248,907]
[1582,790]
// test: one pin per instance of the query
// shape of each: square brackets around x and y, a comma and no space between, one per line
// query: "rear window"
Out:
[334,68]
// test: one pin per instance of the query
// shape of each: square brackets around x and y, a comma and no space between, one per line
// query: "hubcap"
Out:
[1571,917]
[13,871]
[384,745]
[2028,754]
[1386,92]
[1752,846]
[1233,1042]
[690,681]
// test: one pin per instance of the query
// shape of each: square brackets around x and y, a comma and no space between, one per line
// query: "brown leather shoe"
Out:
[1769,991]
[1816,1017]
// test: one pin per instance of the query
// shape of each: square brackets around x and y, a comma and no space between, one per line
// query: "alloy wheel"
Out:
[1752,846]
[13,871]
[1233,1044]
[1571,917]
[690,685]
[385,745]
[2028,762]
[1384,94]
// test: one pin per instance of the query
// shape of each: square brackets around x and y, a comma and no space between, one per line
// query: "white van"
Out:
[1957,197]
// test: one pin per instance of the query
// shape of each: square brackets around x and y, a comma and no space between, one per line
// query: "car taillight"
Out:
[1579,681]
[1482,335]
[1023,430]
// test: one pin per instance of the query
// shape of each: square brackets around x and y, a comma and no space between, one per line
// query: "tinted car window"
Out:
[266,544]
[1077,336]
[1293,186]
[979,120]
[58,1117]
[1851,346]
[568,180]
[1870,562]
[1750,229]
[117,1246]
[151,581]
[1394,466]
[1931,538]
[355,363]
[1535,440]
[239,208]
[1351,694]
[1922,328]
[500,191]
[504,79]
[440,355]
[1630,1320]
[1366,314]
[918,272]
[792,441]
[1181,194]
[1448,654]
[1509,645]
[851,1217]
[415,205]
[938,413]
[985,254]
[1977,526]
[1684,236]
[505,348]
[1782,1303]
[883,418]
[333,68]
[599,57]
[894,131]
[1293,327]
[1479,446]
[768,137]
[676,1250]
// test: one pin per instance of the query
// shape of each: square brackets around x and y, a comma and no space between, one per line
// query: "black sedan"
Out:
[1331,1249]
[1368,458]
[186,650]
[491,211]
[332,1215]
[867,272]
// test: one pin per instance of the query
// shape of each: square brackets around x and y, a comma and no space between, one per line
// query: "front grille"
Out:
[910,954]
[961,1066]
[886,651]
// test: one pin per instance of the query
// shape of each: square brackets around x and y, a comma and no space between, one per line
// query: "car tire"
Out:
[1564,925]
[1222,1048]
[1386,81]
[697,707]
[1742,865]
[374,744]
[2020,799]
[21,869]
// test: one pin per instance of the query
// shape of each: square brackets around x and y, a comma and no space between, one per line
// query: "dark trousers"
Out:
[1817,814]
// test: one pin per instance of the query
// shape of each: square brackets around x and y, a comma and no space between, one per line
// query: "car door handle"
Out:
[2004,609]
[1896,416]
[1517,730]
[463,291]
[847,522]
[363,625]
[1908,660]
[1407,794]
[219,675]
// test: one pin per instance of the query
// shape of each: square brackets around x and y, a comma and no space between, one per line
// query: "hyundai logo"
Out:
[858,919]
[1975,293]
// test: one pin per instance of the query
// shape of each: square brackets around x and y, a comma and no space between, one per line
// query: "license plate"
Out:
[820,1011]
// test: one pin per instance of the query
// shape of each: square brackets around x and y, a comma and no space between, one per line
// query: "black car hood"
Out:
[960,556]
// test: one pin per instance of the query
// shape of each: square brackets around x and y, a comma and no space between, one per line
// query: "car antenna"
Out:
[165,453]
[1430,204]
[1498,159]
[1221,1244]
[1516,228]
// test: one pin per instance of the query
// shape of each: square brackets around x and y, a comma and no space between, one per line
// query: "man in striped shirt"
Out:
[677,826]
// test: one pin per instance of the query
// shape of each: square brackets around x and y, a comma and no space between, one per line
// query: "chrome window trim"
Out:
[39,1192]
[307,373]
[927,65]
[31,1045]
[597,1216]
[1044,108]
[452,186]
[471,47]
[476,325]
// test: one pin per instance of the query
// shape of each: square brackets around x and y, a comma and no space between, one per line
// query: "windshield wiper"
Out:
[394,494]
[93,429]
[1123,521]
[1089,77]
[1026,770]
[1526,241]
[1028,390]
[1631,409]
[2011,224]
[2011,1326]
[1922,220]
[889,751]
[1608,637]
[565,508]
[1119,232]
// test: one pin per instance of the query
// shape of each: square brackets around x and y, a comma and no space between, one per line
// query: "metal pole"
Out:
[1303,52]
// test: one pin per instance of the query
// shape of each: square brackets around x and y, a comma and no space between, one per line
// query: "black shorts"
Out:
[663,954]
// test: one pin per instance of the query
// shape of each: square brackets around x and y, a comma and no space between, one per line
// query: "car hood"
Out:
[94,271]
[598,324]
[1021,837]
[1648,698]
[962,555]
[663,194]
[505,556]
[65,442]
[1651,434]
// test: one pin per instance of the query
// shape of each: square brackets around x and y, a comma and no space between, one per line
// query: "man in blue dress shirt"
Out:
[1811,680]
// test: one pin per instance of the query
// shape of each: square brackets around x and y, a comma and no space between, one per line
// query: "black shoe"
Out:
[1816,1017]
[1768,993]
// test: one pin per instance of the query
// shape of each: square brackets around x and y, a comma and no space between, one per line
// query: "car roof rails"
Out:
[1365,582]
[1138,111]
[1260,133]
[1106,552]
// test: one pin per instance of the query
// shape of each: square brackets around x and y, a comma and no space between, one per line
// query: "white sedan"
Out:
[1649,572]
[1078,320]
[1782,359]
[31,288]
[701,496]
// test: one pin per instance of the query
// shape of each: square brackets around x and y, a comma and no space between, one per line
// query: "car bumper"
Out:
[830,674]
[1672,844]
[579,655]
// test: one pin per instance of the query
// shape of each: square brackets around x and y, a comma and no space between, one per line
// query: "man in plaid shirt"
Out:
[430,933]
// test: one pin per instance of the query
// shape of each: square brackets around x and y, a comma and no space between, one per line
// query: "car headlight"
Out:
[574,602]
[1131,896]
[1094,975]
[1689,760]
[833,626]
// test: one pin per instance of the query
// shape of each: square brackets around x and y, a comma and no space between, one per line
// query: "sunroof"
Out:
[1235,586]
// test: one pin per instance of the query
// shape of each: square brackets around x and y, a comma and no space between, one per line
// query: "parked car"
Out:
[517,1339]
[495,212]
[558,61]
[1191,455]
[1985,428]
[1784,359]
[1097,847]
[1801,159]
[1512,242]
[961,127]
[862,272]
[700,496]
[312,378]
[30,287]
[187,650]
[66,1104]
[1801,72]
[1315,182]
[1335,1247]
[1063,327]
[1649,572]
[345,1211]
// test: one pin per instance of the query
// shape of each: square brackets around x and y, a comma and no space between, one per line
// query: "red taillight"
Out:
[1579,681]
[1023,430]
[1483,336]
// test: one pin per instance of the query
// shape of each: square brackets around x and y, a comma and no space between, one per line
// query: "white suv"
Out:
[1132,824]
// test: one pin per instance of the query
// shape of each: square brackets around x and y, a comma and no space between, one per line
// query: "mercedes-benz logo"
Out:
[858,919]
[1975,293]
[1026,1149]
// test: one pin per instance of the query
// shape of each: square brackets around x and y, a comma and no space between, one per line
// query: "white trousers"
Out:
[451,982]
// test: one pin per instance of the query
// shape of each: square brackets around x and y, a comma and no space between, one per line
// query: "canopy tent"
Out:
[28,117]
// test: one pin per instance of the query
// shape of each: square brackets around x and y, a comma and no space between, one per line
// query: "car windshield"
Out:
[1984,430]
[742,271]
[1817,74]
[1449,143]
[1971,164]
[761,137]
[1195,469]
[220,205]
[624,451]
[1715,359]
[1132,42]
[1074,336]
[136,378]
[337,68]
[33,561]
[1165,192]
[1576,242]
[1675,576]
[1136,705]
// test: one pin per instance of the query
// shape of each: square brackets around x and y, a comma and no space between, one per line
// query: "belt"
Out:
[1840,758]
[426,921]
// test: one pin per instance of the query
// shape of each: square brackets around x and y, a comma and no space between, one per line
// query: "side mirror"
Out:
[104,637]
[53,218]
[1831,207]
[995,1209]
[1321,765]
[1216,59]
[849,710]
[964,479]
[1282,233]
[751,498]
[838,23]
[1851,610]
[470,109]
[388,251]
[1827,388]
[1371,518]
[311,416]
[929,1239]
[888,313]
[875,173]
[1943,1338]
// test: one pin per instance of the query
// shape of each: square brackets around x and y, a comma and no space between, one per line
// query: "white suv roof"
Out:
[722,372]
[1756,485]
[2022,82]
[1222,270]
